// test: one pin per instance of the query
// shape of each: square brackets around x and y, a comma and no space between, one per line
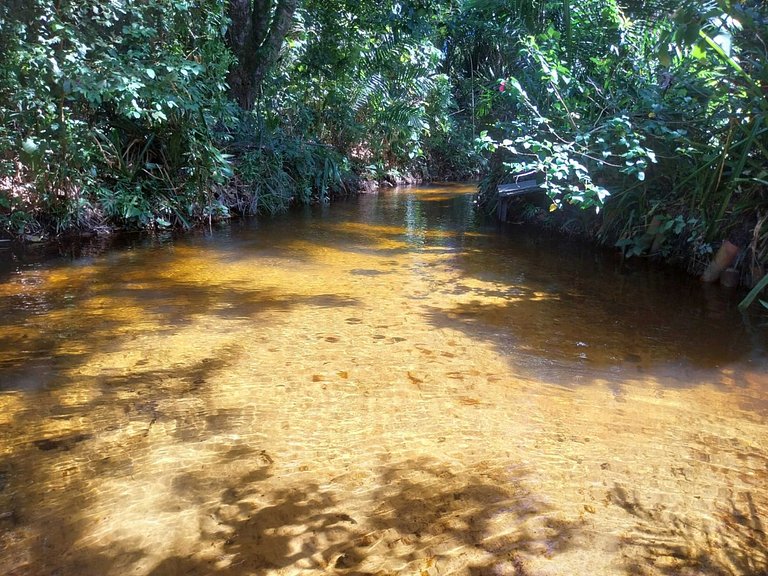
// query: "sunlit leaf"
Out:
[30,146]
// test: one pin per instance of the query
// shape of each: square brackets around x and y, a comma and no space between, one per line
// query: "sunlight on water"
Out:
[387,386]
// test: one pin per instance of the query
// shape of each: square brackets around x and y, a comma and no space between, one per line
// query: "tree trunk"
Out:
[255,36]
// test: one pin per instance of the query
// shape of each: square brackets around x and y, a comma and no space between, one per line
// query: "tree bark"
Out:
[256,36]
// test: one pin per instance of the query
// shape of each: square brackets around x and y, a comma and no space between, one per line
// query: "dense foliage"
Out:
[161,113]
[108,112]
[655,116]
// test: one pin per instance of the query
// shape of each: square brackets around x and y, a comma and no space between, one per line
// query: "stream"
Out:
[388,385]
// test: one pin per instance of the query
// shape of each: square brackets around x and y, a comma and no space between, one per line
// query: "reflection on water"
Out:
[385,386]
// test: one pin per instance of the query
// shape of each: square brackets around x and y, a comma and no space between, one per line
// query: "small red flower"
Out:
[503,86]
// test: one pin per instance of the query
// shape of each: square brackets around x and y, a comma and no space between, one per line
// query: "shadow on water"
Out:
[571,306]
[733,543]
[49,328]
[563,305]
[422,516]
[576,314]
[523,290]
[560,305]
[47,485]
[420,510]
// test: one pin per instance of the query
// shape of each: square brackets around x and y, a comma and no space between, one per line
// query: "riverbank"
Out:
[25,221]
[678,241]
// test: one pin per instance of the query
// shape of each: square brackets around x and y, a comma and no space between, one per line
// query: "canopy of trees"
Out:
[162,113]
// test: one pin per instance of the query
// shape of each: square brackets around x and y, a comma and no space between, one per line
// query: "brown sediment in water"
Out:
[384,388]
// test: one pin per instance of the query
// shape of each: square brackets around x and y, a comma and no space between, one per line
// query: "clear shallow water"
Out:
[380,387]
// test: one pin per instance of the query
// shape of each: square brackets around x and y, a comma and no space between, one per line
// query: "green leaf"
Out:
[698,52]
[749,298]
[29,146]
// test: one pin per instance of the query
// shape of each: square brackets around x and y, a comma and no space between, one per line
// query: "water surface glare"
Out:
[386,386]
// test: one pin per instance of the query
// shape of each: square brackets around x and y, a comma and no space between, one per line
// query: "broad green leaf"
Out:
[30,146]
